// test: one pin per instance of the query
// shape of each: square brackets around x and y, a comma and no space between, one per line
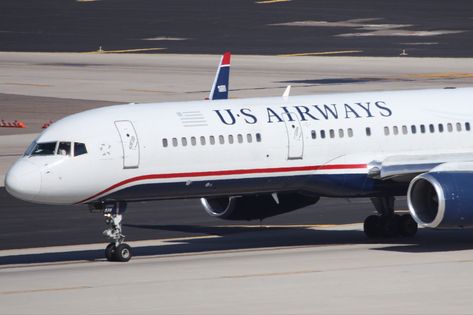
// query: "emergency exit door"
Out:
[295,139]
[130,145]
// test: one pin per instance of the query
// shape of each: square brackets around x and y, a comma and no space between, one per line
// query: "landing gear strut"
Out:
[116,250]
[388,223]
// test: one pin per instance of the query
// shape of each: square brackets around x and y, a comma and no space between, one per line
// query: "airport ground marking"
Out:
[322,53]
[26,84]
[121,51]
[148,91]
[44,290]
[441,75]
[271,1]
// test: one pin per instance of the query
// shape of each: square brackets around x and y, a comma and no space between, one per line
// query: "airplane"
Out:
[249,159]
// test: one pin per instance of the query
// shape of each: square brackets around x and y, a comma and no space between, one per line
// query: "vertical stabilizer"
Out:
[219,89]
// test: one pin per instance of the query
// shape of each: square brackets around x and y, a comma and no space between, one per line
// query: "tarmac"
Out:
[312,261]
[422,28]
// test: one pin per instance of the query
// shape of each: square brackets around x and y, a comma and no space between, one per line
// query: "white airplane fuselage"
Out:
[321,145]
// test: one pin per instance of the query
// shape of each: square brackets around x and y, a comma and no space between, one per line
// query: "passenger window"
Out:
[202,140]
[395,130]
[332,133]
[386,131]
[449,127]
[467,126]
[165,143]
[440,128]
[47,148]
[422,128]
[350,132]
[193,141]
[240,138]
[184,141]
[368,131]
[230,139]
[413,129]
[79,149]
[459,127]
[174,142]
[212,140]
[341,133]
[221,139]
[431,128]
[249,138]
[313,134]
[404,130]
[258,137]
[64,148]
[322,134]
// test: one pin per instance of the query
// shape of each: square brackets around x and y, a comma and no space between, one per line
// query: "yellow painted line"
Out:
[43,290]
[271,274]
[322,53]
[101,51]
[441,75]
[287,226]
[271,1]
[147,91]
[26,84]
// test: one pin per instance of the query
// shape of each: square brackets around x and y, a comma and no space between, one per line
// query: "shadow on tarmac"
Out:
[258,238]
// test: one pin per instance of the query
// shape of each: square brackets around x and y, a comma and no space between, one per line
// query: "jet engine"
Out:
[255,207]
[442,199]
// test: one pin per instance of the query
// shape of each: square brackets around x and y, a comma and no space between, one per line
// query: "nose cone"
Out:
[23,180]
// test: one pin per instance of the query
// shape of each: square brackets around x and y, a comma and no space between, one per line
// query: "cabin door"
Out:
[295,139]
[131,148]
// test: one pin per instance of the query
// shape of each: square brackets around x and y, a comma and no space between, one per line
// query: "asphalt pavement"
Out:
[26,225]
[328,27]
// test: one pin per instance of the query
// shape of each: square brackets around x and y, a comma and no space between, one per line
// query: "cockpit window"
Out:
[30,148]
[64,148]
[47,148]
[79,149]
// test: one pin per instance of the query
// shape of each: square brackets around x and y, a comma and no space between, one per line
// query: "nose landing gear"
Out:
[388,223]
[116,250]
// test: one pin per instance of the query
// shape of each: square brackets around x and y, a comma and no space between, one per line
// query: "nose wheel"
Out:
[120,253]
[117,250]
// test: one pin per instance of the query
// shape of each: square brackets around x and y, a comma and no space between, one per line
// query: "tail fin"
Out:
[219,89]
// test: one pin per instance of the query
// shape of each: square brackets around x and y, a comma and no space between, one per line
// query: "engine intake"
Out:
[255,207]
[442,199]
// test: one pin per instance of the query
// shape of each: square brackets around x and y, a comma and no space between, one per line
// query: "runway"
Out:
[311,261]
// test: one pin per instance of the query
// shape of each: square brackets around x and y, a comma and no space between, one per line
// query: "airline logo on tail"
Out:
[220,86]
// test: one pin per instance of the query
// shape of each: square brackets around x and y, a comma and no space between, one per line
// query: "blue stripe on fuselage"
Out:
[340,185]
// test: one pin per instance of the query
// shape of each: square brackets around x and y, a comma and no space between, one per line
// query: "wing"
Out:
[403,168]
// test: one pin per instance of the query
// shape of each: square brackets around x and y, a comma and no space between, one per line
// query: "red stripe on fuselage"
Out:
[229,172]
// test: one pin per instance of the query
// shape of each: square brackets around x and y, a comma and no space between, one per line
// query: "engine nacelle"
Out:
[255,207]
[442,199]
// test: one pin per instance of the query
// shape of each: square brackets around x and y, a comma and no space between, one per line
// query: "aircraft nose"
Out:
[23,180]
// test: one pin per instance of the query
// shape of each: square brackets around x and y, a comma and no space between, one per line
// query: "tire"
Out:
[407,226]
[110,252]
[371,226]
[123,253]
[389,225]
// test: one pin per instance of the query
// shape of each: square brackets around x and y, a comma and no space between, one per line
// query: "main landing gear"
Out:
[116,250]
[388,223]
